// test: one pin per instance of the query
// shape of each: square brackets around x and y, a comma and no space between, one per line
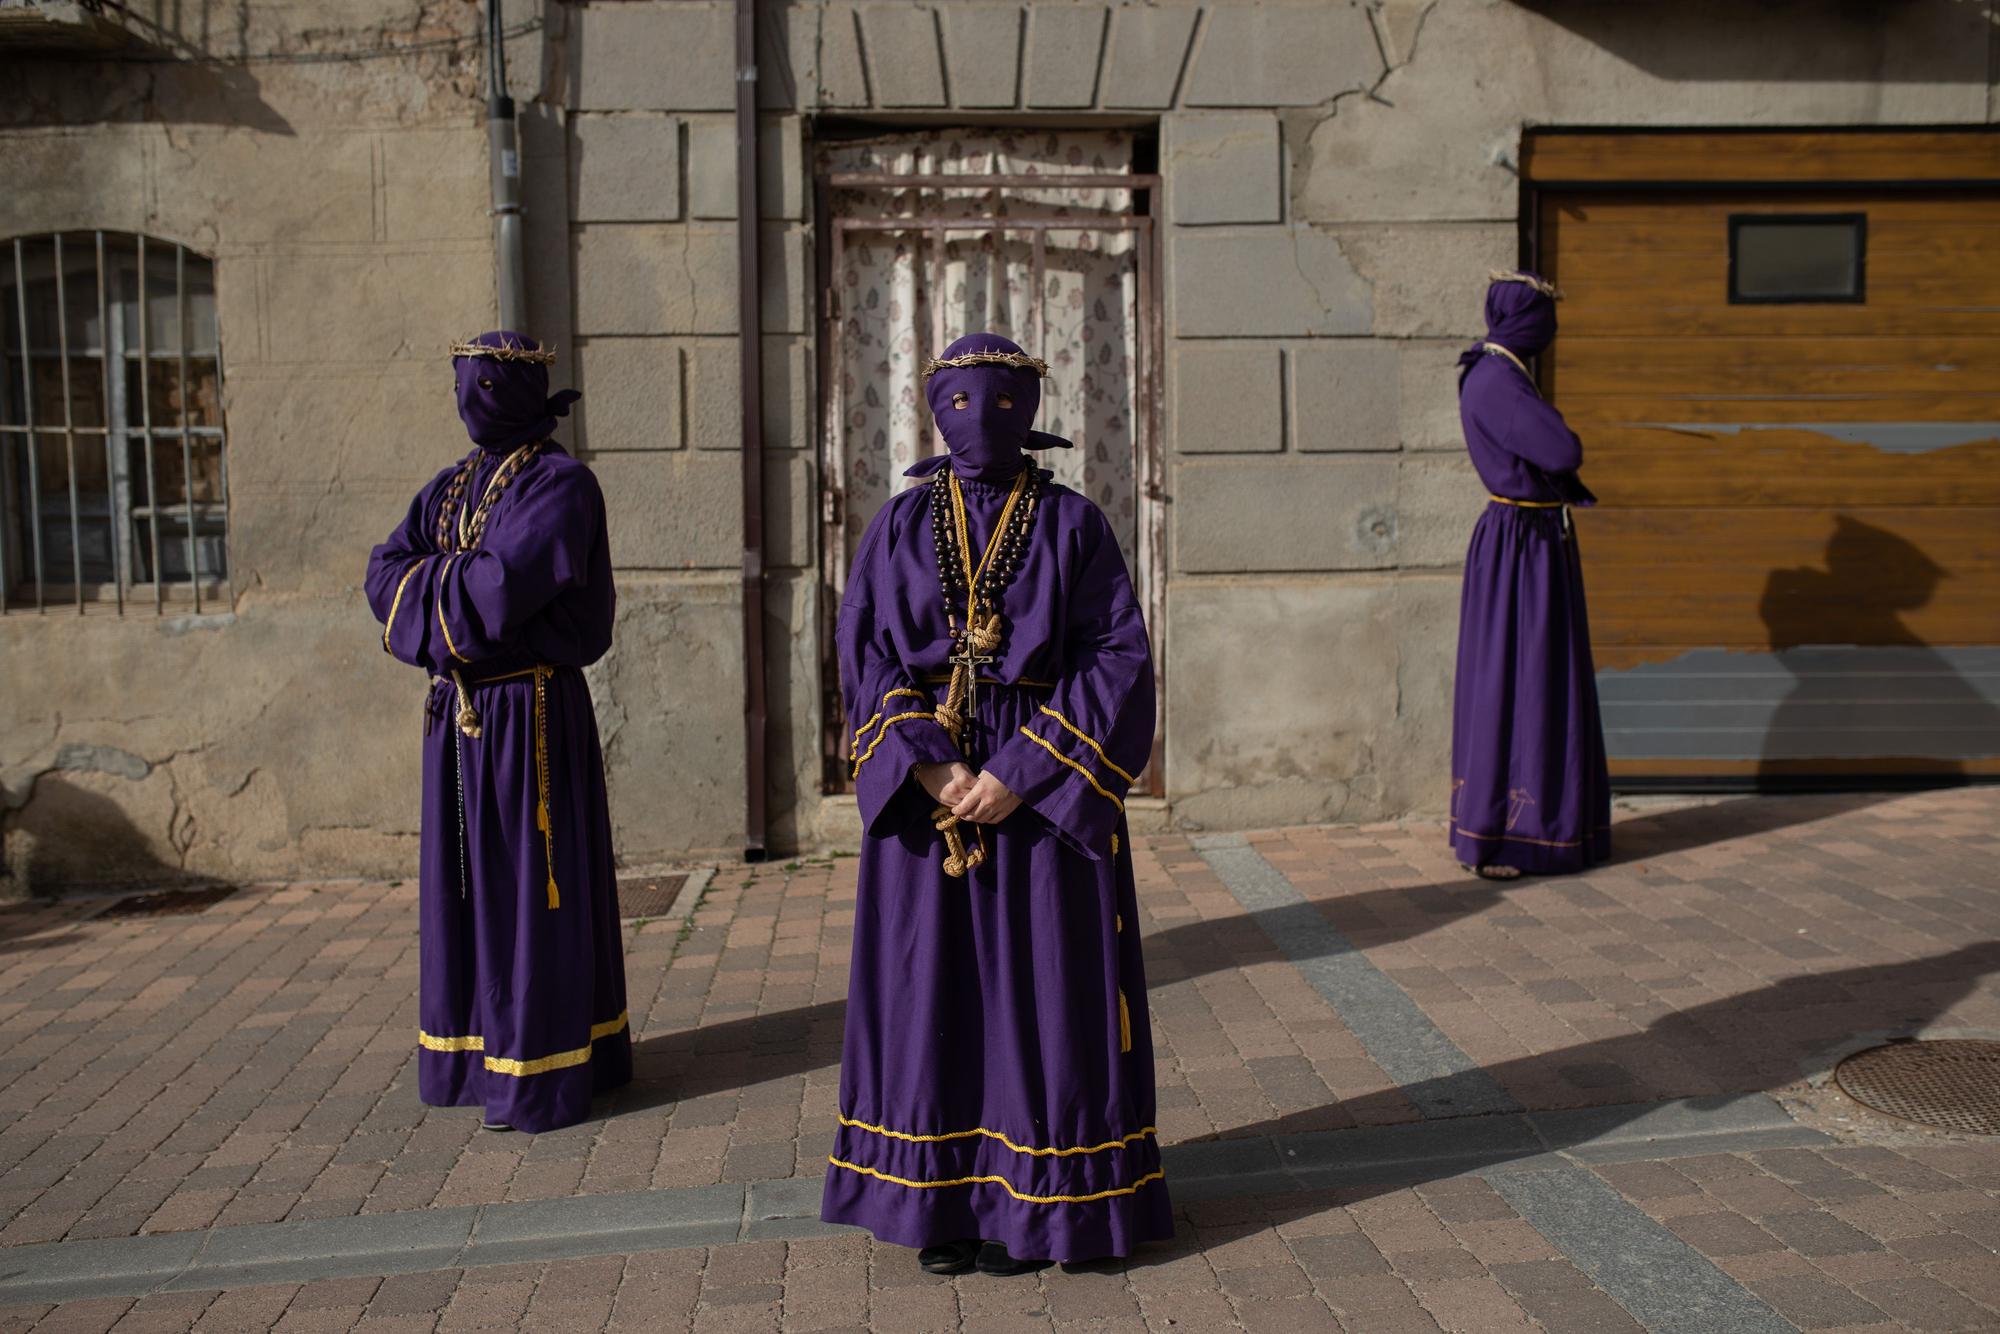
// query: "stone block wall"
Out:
[343,204]
[1339,176]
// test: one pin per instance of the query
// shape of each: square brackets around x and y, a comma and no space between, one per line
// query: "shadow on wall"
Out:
[67,835]
[1865,686]
[1835,41]
[51,92]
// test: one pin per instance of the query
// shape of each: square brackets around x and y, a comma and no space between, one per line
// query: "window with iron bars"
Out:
[113,478]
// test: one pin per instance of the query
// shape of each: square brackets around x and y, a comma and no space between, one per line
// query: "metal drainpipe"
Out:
[750,338]
[504,164]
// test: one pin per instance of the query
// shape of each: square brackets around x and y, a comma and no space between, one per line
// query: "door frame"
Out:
[1148,464]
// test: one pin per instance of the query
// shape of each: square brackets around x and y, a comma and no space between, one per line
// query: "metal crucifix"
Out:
[971,660]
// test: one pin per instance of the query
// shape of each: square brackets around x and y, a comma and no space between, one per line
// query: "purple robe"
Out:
[1529,786]
[997,1073]
[522,994]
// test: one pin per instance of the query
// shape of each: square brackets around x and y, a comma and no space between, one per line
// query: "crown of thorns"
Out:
[1021,359]
[1542,285]
[507,351]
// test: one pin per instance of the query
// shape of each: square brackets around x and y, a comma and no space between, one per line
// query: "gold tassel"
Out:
[542,819]
[1124,1023]
[468,717]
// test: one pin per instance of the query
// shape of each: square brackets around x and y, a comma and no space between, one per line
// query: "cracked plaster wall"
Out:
[339,188]
[1338,180]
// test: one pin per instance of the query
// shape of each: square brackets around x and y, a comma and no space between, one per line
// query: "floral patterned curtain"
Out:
[893,313]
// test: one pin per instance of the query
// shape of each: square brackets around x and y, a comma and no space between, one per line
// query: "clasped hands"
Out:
[978,797]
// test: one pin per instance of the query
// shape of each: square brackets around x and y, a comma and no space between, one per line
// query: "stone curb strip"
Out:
[1522,1145]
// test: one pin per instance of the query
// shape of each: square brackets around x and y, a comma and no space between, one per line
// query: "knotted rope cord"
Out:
[471,531]
[1495,350]
[542,820]
[983,636]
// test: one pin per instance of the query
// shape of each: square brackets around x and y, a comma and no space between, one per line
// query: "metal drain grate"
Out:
[649,895]
[1953,1084]
[169,902]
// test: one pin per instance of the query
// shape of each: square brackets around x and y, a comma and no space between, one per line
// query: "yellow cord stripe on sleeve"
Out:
[501,1065]
[883,732]
[396,604]
[1088,776]
[862,730]
[442,572]
[1080,735]
[1118,1143]
[1001,1182]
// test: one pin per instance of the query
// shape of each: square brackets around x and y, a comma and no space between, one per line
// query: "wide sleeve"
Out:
[467,606]
[393,567]
[1537,433]
[1076,759]
[891,724]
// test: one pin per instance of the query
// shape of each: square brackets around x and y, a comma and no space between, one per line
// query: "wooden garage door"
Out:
[1795,571]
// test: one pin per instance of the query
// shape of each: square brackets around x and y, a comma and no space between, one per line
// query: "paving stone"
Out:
[1812,1303]
[1665,966]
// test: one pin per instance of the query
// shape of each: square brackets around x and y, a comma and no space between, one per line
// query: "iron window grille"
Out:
[113,476]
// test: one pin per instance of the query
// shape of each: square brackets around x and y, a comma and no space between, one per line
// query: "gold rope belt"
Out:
[1527,504]
[469,725]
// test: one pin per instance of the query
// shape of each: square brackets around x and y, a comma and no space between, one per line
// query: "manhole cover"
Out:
[169,902]
[649,895]
[1953,1084]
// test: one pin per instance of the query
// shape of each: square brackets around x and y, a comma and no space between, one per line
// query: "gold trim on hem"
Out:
[1003,1183]
[1118,1143]
[1457,828]
[502,1065]
[1085,738]
[1088,776]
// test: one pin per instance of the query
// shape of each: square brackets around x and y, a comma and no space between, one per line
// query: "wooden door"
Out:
[1789,396]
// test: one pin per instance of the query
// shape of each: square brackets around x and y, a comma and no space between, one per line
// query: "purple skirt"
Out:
[996,1076]
[522,990]
[1529,785]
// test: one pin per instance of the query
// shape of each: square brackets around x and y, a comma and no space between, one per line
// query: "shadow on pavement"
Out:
[1753,1043]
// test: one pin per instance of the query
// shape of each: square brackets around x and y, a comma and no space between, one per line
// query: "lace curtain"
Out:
[894,313]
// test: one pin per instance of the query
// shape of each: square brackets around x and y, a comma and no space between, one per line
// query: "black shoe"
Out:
[494,1125]
[954,1257]
[994,1259]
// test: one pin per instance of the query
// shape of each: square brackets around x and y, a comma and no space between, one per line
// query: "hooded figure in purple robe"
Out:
[1529,787]
[498,584]
[996,1080]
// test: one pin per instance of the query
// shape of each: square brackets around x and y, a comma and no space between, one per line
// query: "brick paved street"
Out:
[1348,1031]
